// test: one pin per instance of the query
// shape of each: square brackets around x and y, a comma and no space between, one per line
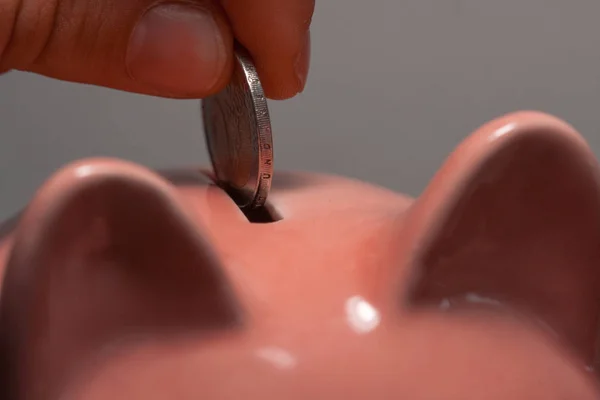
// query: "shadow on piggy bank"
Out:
[123,283]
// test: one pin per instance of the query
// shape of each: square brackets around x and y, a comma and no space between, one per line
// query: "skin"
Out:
[90,41]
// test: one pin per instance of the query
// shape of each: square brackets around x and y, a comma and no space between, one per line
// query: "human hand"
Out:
[180,49]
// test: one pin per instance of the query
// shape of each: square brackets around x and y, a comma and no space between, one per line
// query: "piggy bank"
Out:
[119,282]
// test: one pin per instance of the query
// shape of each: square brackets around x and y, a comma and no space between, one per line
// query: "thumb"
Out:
[181,50]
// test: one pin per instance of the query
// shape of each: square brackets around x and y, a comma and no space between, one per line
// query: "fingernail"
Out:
[302,63]
[177,49]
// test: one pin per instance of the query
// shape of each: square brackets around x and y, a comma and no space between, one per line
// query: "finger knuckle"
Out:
[26,27]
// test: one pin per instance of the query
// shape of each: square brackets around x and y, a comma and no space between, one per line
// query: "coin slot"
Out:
[259,215]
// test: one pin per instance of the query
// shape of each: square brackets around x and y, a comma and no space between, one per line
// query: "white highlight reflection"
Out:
[475,298]
[362,316]
[280,358]
[498,133]
[83,171]
[472,298]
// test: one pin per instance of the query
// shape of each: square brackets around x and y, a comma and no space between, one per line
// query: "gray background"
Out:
[394,86]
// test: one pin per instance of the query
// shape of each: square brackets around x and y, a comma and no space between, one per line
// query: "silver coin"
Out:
[237,128]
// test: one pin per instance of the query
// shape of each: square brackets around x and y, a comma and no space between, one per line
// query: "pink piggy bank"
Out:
[123,283]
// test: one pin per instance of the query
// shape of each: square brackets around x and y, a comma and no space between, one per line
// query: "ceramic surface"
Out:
[123,283]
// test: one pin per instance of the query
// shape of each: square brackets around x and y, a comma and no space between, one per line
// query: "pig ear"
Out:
[513,219]
[104,252]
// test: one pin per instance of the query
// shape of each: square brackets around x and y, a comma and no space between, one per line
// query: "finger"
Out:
[181,50]
[276,32]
